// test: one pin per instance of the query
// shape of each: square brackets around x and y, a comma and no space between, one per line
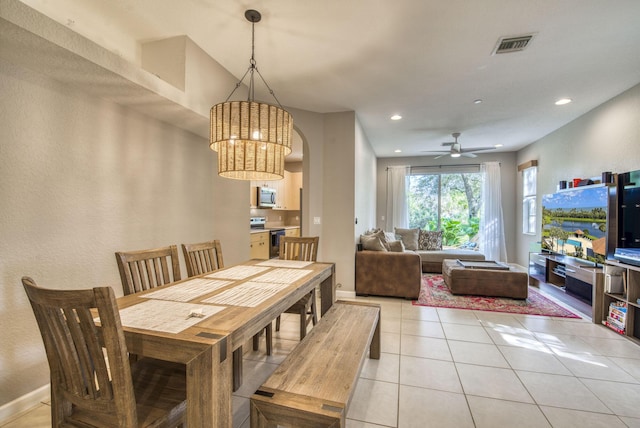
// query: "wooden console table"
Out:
[576,278]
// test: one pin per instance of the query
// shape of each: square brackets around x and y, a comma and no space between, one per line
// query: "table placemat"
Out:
[249,294]
[237,272]
[163,315]
[188,290]
[283,275]
[295,264]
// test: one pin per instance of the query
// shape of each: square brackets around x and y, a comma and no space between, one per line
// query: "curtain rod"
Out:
[439,166]
[442,166]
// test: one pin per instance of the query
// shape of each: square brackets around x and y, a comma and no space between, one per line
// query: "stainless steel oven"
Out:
[274,249]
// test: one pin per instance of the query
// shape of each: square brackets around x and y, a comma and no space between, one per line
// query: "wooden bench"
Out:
[313,386]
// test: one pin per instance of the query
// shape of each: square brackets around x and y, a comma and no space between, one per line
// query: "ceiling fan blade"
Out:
[468,155]
[442,155]
[478,149]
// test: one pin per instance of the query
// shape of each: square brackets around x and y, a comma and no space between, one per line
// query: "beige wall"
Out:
[81,178]
[507,173]
[605,139]
[365,183]
[339,188]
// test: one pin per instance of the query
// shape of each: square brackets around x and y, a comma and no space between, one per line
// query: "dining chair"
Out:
[92,382]
[203,257]
[144,269]
[303,249]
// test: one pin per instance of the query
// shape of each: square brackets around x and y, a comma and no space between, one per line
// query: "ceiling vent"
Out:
[512,44]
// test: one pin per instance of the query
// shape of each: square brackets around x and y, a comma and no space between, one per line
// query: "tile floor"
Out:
[458,368]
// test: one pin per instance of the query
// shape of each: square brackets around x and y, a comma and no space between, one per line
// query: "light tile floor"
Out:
[458,368]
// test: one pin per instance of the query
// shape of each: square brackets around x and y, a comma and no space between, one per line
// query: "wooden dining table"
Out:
[204,321]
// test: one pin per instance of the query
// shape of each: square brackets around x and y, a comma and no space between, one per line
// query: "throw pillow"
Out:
[430,240]
[396,246]
[390,236]
[409,237]
[372,243]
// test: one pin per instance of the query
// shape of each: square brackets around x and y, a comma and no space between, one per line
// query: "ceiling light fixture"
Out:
[251,138]
[478,101]
[398,151]
[455,155]
[563,101]
[396,117]
[497,145]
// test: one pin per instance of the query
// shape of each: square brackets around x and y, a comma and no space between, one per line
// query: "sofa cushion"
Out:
[396,246]
[430,240]
[452,253]
[409,237]
[372,243]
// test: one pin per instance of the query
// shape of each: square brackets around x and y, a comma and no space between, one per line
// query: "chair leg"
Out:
[269,339]
[278,323]
[303,322]
[256,341]
[314,312]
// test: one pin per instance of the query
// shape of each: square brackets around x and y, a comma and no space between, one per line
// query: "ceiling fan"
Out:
[456,149]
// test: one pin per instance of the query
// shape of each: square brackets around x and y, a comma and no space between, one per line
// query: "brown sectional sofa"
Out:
[399,274]
[432,259]
[384,273]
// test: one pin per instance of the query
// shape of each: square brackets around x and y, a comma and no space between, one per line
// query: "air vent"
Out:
[512,44]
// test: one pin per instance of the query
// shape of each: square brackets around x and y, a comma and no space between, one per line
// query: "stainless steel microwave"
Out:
[266,197]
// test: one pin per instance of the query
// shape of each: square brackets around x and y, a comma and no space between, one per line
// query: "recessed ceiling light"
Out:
[398,151]
[497,145]
[396,117]
[478,101]
[563,101]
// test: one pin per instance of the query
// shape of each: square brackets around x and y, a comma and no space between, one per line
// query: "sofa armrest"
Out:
[385,273]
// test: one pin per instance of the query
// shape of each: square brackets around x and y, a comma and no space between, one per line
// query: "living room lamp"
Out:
[251,138]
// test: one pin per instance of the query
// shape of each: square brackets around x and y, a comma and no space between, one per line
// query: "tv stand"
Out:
[576,278]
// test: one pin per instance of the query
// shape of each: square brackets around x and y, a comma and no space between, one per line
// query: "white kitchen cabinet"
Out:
[293,183]
[259,245]
[287,191]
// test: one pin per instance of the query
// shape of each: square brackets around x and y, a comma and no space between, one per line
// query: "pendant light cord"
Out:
[253,68]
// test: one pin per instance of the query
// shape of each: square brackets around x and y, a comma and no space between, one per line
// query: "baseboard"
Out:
[345,294]
[24,403]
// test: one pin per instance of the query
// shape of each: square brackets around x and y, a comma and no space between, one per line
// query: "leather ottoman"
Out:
[513,282]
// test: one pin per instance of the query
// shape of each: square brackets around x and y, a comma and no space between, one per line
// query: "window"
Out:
[446,201]
[529,178]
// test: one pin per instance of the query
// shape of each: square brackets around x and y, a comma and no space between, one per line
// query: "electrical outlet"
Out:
[316,220]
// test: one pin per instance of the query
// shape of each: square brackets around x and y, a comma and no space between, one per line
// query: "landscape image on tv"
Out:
[574,223]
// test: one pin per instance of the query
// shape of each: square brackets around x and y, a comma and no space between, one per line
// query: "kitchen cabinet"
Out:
[259,245]
[287,191]
[292,231]
[293,183]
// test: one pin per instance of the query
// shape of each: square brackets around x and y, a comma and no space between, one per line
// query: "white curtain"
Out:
[492,240]
[397,191]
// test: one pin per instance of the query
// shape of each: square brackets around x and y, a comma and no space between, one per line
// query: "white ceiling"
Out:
[427,60]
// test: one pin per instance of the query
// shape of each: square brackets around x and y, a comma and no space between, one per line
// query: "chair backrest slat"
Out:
[145,269]
[202,257]
[299,248]
[80,373]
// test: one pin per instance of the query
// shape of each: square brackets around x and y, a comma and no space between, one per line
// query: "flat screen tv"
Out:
[574,223]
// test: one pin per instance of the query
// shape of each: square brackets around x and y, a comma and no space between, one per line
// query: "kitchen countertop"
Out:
[267,229]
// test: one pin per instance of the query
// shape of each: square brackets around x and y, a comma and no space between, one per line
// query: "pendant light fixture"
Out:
[251,138]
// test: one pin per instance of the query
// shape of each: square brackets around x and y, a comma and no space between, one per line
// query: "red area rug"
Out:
[434,292]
